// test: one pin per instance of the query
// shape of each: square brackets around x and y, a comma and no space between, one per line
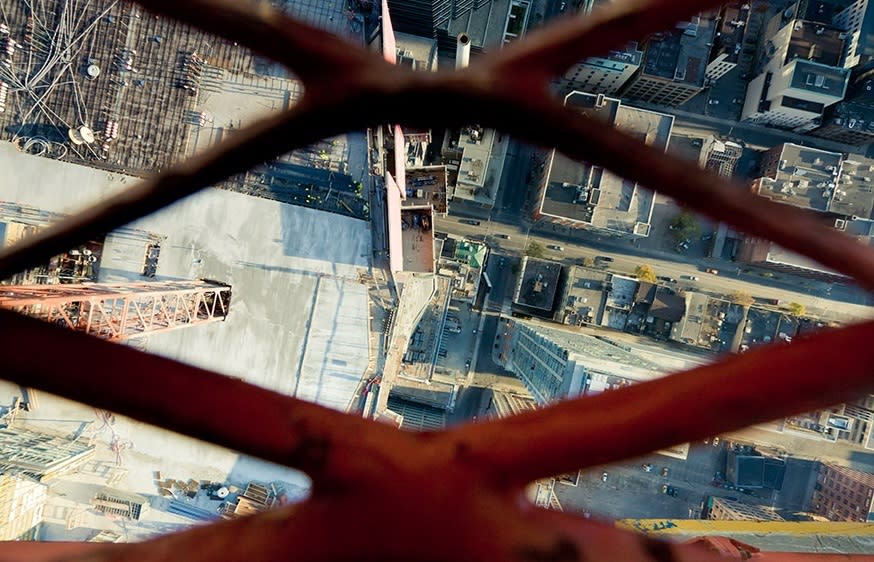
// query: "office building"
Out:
[557,362]
[849,123]
[800,75]
[732,26]
[844,494]
[674,65]
[40,455]
[488,23]
[537,286]
[580,195]
[857,23]
[734,510]
[604,74]
[836,187]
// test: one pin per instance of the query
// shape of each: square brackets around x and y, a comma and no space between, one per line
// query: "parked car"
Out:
[707,237]
[603,258]
[713,102]
[691,277]
[603,477]
[646,467]
[666,279]
[504,236]
[716,441]
[711,270]
[737,100]
[665,471]
[470,222]
[555,247]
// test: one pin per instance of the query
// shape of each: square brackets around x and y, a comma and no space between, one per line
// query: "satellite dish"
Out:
[86,134]
[75,137]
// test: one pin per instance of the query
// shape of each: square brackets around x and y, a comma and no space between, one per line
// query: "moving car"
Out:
[603,258]
[555,247]
[504,236]
[647,467]
[711,270]
[470,222]
[603,477]
[691,277]
[665,471]
[666,279]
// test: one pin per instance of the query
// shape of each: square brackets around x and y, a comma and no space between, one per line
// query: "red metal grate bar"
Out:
[466,483]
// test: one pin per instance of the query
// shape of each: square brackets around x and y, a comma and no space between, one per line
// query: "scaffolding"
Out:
[119,311]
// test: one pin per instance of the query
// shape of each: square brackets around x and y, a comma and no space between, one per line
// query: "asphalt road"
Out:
[845,302]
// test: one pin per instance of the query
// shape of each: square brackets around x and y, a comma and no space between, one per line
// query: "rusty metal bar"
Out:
[467,482]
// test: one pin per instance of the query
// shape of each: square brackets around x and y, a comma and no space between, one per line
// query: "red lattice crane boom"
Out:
[118,311]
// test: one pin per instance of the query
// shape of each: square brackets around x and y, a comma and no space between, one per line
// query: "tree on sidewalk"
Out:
[796,309]
[535,250]
[685,225]
[644,272]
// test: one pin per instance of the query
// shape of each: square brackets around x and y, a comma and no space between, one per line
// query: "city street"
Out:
[845,303]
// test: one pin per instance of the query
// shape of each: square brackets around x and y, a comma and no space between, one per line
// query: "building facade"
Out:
[603,75]
[800,76]
[556,362]
[733,510]
[731,27]
[857,21]
[22,501]
[674,65]
[40,455]
[843,494]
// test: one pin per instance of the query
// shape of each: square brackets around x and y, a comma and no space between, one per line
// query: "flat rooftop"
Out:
[599,354]
[803,177]
[855,190]
[299,319]
[681,54]
[417,235]
[584,296]
[426,186]
[732,28]
[415,52]
[538,283]
[815,42]
[819,78]
[135,100]
[593,196]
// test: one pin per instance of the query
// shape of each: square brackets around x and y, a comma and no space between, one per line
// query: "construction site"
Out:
[104,83]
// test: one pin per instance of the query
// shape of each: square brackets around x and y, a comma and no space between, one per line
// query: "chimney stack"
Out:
[462,51]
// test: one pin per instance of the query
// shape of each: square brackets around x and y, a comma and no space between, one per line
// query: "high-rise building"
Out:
[800,75]
[605,74]
[22,500]
[488,23]
[580,195]
[844,494]
[40,455]
[732,26]
[674,65]
[857,21]
[734,510]
[556,362]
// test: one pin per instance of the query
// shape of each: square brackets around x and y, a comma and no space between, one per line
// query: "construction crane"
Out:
[118,311]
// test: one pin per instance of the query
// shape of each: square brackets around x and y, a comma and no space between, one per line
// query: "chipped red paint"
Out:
[380,494]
